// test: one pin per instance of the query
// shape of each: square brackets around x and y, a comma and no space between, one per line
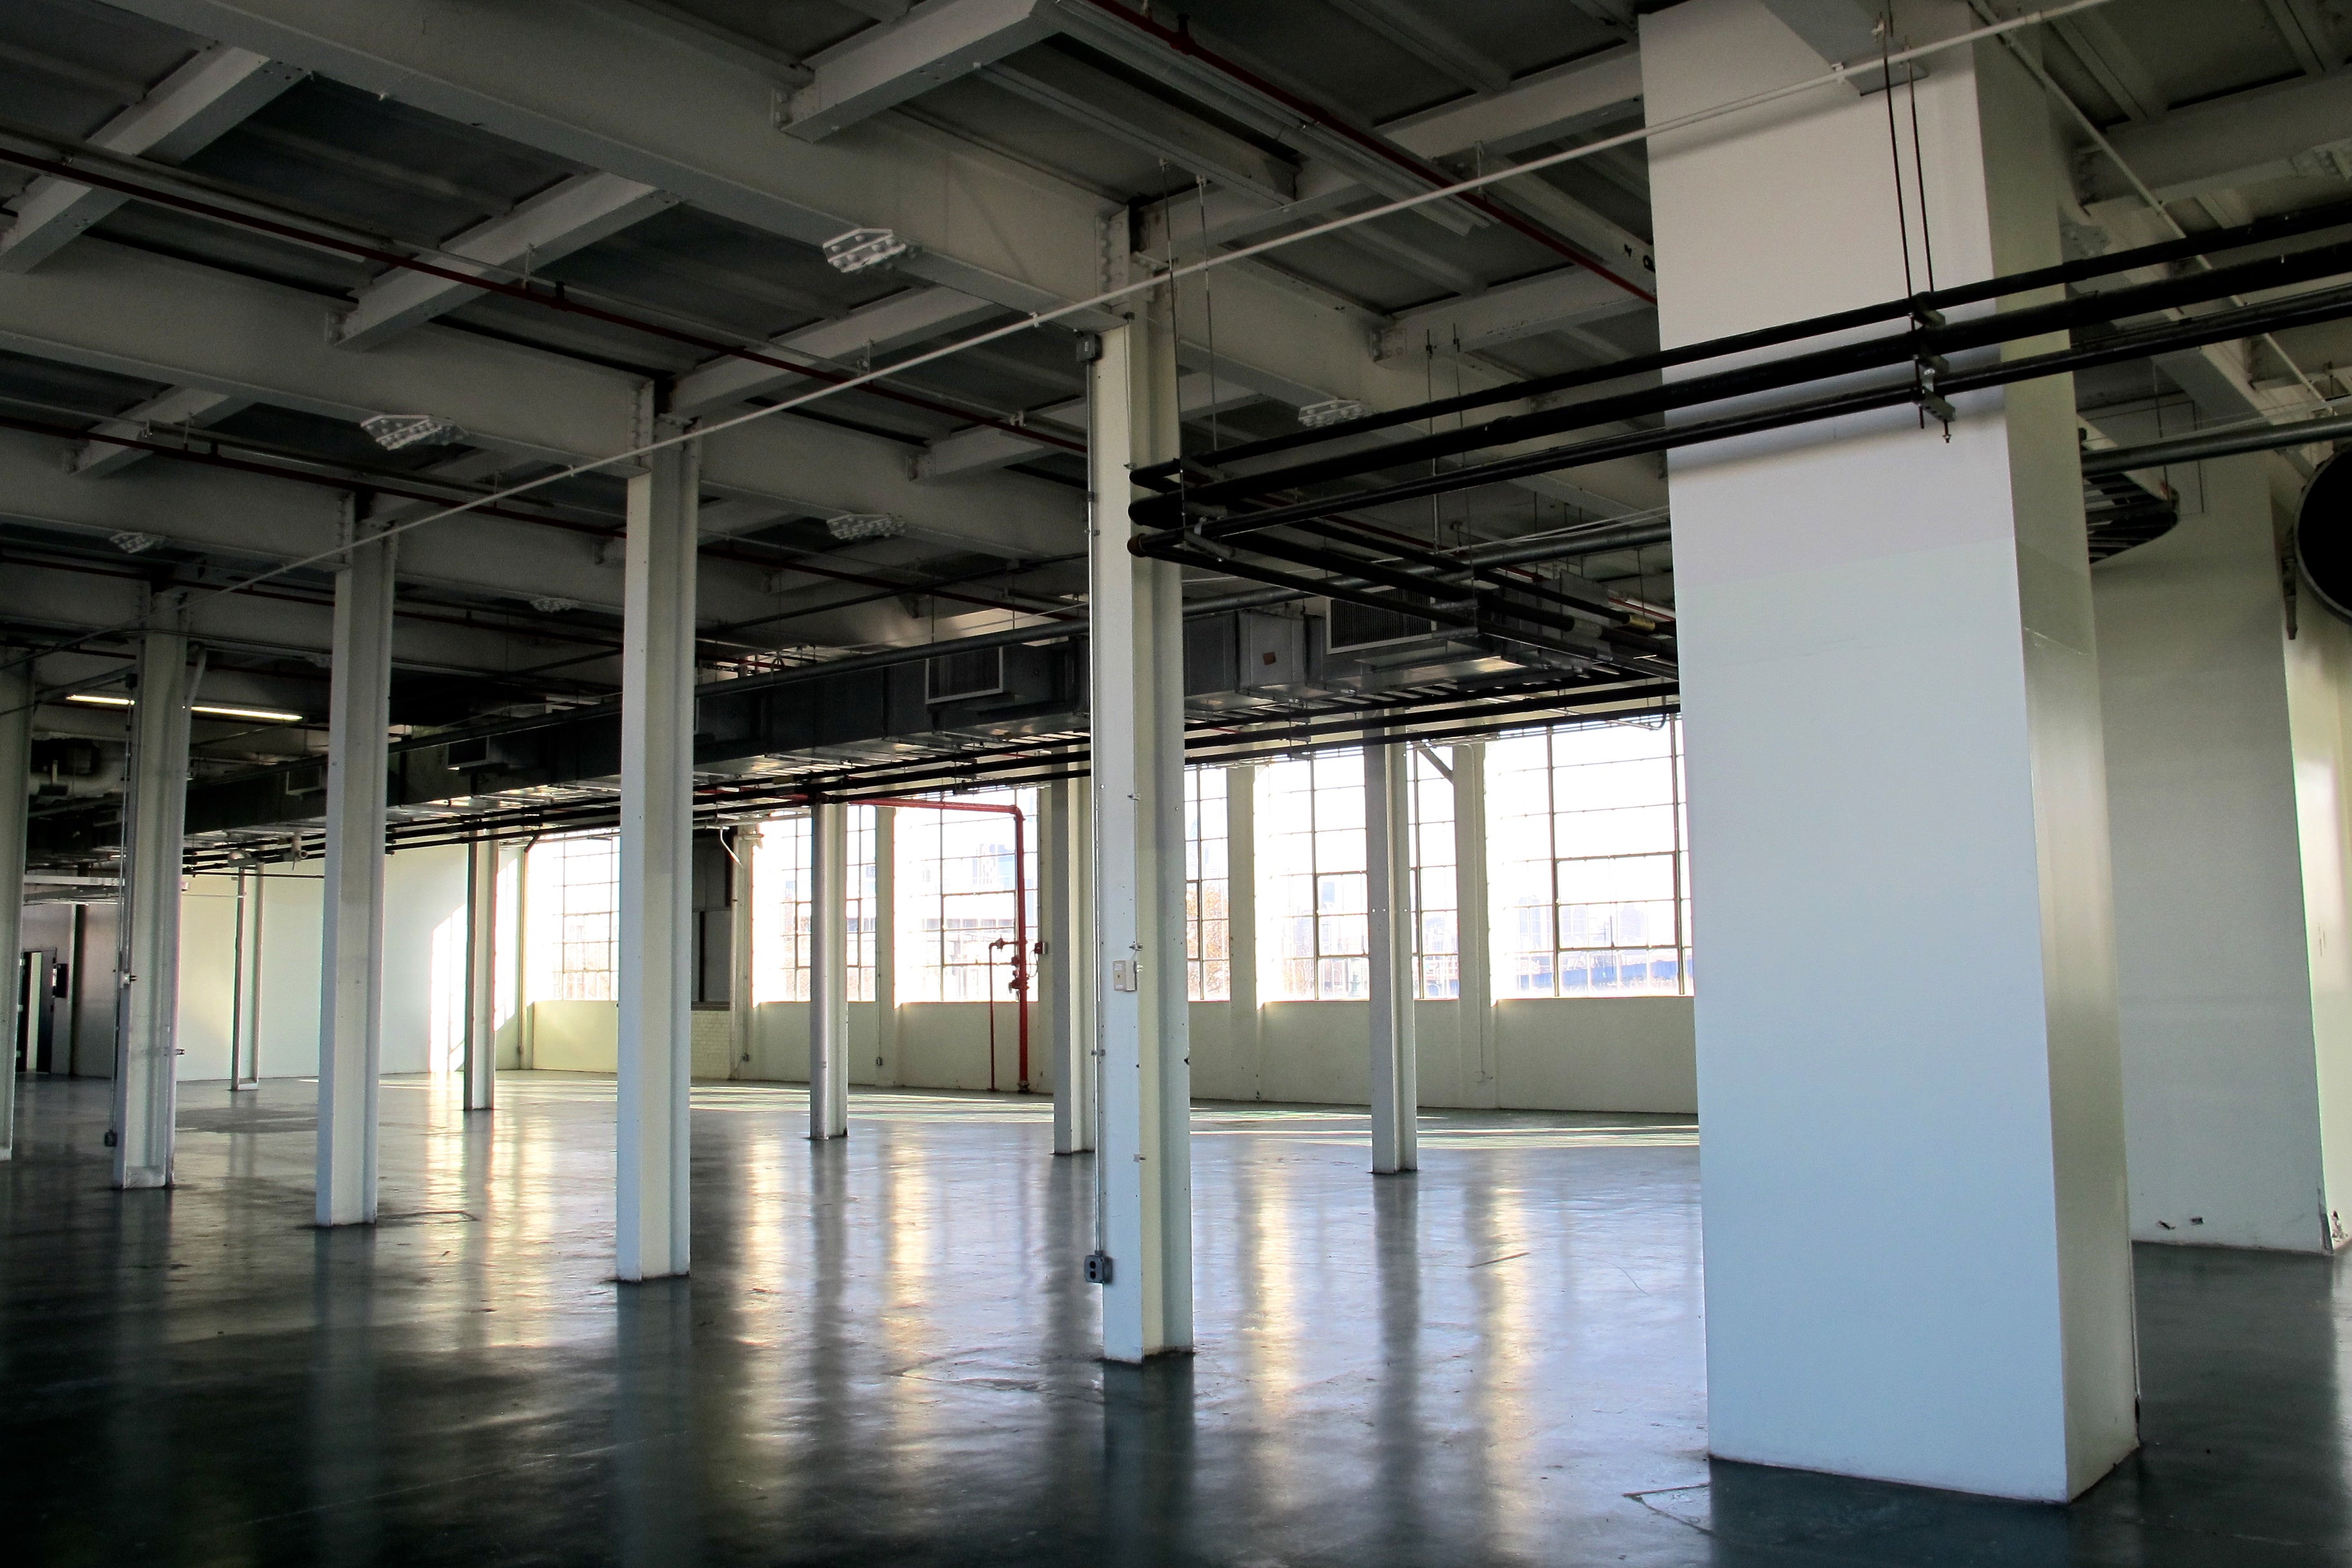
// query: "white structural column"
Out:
[885,943]
[1918,1266]
[15,785]
[1065,866]
[182,114]
[1481,1072]
[1387,927]
[481,1064]
[1241,905]
[1136,672]
[743,1005]
[155,821]
[2226,762]
[656,865]
[350,896]
[828,1012]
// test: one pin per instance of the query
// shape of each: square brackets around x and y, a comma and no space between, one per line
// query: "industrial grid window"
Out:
[955,898]
[780,869]
[583,875]
[1437,932]
[1208,913]
[1311,842]
[1591,884]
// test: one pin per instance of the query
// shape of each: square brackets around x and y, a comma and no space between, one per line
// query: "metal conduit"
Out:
[1919,307]
[2217,444]
[1920,346]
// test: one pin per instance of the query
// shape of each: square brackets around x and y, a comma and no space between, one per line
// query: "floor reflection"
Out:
[886,1355]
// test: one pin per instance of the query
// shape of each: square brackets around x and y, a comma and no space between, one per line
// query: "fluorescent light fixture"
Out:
[1338,411]
[209,709]
[393,431]
[853,526]
[862,248]
[265,715]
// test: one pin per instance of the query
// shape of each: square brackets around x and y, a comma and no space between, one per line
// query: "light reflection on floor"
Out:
[887,1354]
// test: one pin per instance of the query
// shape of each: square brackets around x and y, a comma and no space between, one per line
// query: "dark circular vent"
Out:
[2323,536]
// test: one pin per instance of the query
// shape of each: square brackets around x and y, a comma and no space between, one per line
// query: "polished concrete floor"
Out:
[886,1356]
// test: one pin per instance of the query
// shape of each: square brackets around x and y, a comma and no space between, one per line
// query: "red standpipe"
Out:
[1020,986]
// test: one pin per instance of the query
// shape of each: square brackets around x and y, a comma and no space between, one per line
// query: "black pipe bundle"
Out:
[1250,525]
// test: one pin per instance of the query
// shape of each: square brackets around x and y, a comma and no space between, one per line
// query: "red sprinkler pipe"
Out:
[1020,986]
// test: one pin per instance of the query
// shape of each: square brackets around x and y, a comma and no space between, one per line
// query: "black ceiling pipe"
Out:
[2267,230]
[2139,342]
[2217,444]
[1918,343]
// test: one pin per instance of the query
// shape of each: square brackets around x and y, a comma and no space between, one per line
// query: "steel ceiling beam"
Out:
[568,216]
[914,316]
[107,308]
[568,78]
[2294,128]
[185,113]
[886,66]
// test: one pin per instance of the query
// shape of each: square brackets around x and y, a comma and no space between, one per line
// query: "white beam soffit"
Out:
[984,448]
[568,216]
[577,77]
[1543,106]
[2301,128]
[107,308]
[191,406]
[249,517]
[1101,103]
[185,113]
[1405,25]
[915,316]
[1568,297]
[570,78]
[886,66]
[1096,305]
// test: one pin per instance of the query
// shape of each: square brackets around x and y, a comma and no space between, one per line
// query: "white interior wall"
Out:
[208,976]
[425,959]
[425,966]
[1625,1054]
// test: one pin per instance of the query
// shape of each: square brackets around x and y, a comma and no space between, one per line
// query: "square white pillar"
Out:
[15,784]
[351,967]
[2225,751]
[1481,1075]
[1918,1264]
[828,1012]
[656,914]
[1247,1034]
[1136,661]
[155,821]
[483,859]
[1388,925]
[885,945]
[742,1006]
[1064,864]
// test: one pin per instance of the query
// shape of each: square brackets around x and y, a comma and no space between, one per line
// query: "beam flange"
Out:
[185,113]
[930,44]
[568,216]
[912,316]
[192,406]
